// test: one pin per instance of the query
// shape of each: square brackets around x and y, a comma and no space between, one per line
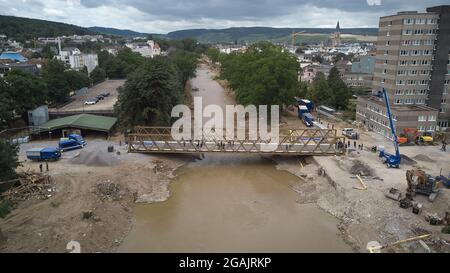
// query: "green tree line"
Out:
[263,75]
[21,91]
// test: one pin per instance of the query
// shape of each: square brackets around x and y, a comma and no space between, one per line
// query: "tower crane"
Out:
[295,34]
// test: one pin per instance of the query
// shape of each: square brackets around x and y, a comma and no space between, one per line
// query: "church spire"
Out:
[338,27]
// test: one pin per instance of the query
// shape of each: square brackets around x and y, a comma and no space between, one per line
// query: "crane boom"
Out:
[391,123]
[390,160]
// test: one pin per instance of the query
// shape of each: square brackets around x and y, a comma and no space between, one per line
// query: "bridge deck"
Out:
[293,142]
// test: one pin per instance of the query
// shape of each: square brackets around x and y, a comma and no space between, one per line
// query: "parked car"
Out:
[90,102]
[100,97]
[106,94]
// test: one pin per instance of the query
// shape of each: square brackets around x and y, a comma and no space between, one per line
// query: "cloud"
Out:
[161,16]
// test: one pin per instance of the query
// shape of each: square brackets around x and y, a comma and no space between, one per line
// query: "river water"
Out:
[231,203]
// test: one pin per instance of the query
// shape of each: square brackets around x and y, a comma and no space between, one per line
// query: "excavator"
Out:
[422,183]
[410,135]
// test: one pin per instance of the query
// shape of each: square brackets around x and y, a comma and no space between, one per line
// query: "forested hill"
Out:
[259,33]
[22,29]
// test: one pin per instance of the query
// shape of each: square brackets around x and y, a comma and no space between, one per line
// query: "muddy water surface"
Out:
[231,203]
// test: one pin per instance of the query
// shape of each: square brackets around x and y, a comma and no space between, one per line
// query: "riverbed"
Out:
[231,203]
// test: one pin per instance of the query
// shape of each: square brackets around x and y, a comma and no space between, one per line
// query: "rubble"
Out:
[30,185]
[360,168]
[108,191]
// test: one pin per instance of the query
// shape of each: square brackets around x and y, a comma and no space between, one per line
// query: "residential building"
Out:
[148,49]
[412,64]
[363,64]
[371,112]
[78,60]
[30,68]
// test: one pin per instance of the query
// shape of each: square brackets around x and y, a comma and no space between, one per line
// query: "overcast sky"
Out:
[162,16]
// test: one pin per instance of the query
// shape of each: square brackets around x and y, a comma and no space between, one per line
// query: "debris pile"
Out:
[30,185]
[361,168]
[159,166]
[108,191]
[423,157]
[95,158]
[407,160]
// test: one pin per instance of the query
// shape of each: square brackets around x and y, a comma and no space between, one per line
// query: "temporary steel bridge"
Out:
[314,142]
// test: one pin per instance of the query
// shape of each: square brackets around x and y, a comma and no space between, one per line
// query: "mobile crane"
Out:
[392,161]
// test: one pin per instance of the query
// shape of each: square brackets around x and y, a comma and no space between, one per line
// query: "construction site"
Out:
[320,191]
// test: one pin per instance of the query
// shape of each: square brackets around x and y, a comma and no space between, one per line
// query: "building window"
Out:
[431,118]
[431,129]
[407,32]
[408,21]
[422,118]
[421,128]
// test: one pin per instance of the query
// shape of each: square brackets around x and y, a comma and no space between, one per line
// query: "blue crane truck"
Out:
[44,154]
[305,115]
[391,160]
[72,142]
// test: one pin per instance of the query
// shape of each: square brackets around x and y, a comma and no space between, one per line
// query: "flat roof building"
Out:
[412,64]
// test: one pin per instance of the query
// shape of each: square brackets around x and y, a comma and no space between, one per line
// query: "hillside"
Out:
[23,29]
[252,34]
[118,32]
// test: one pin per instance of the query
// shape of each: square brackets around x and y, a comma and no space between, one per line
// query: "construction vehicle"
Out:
[392,161]
[43,154]
[72,142]
[350,133]
[412,135]
[422,183]
[305,115]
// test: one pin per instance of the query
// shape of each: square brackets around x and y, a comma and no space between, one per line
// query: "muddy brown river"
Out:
[231,203]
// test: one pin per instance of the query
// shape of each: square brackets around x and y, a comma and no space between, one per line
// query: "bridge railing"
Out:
[298,142]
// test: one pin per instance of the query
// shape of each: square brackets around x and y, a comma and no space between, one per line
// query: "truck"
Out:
[306,103]
[305,115]
[350,133]
[71,142]
[44,154]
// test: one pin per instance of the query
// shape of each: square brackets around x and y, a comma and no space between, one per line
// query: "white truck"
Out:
[350,133]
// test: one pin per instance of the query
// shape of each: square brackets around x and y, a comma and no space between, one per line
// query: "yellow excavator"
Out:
[410,135]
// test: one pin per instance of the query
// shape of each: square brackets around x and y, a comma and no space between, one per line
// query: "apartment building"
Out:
[412,64]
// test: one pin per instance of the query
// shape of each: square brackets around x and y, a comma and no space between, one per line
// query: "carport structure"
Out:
[83,122]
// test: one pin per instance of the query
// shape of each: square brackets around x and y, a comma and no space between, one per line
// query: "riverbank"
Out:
[93,202]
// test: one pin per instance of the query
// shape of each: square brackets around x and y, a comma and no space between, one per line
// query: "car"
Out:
[90,102]
[106,94]
[100,97]
[350,133]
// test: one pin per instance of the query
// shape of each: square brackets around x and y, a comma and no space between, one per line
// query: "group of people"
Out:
[41,167]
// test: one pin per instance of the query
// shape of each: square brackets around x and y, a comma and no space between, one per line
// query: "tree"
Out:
[186,63]
[26,91]
[319,91]
[340,92]
[58,86]
[76,79]
[264,75]
[213,54]
[302,89]
[98,75]
[124,63]
[317,58]
[149,94]
[8,160]
[6,104]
